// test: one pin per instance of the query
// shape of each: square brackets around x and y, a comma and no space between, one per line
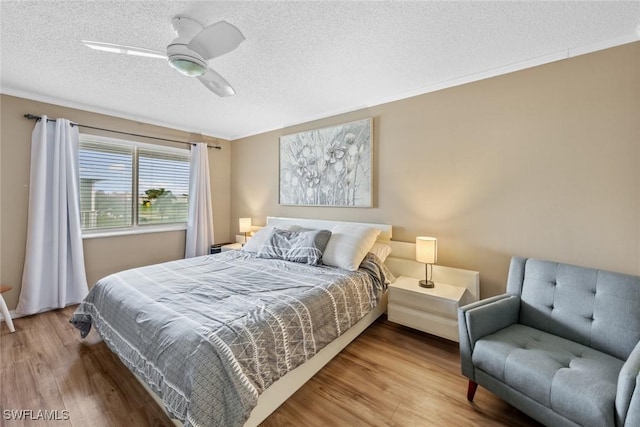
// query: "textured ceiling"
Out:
[301,60]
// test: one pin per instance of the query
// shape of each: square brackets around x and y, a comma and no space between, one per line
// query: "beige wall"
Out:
[102,255]
[543,162]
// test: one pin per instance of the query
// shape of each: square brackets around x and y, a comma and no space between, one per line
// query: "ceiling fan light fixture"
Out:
[185,60]
[188,66]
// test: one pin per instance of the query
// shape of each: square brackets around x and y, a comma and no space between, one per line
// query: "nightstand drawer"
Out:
[432,310]
[425,322]
[424,302]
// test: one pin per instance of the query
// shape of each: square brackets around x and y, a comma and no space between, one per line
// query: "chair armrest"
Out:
[496,313]
[628,392]
[480,319]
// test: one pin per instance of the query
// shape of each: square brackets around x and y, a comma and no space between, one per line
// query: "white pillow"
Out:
[348,245]
[380,250]
[260,237]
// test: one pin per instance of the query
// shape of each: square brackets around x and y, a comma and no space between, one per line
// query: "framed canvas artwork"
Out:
[330,166]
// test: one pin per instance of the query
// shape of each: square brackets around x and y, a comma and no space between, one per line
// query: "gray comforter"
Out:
[209,334]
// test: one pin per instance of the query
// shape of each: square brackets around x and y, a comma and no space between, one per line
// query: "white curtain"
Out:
[200,222]
[54,274]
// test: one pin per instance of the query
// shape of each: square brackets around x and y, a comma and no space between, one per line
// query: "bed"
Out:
[225,339]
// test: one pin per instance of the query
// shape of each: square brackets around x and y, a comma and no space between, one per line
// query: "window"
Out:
[113,170]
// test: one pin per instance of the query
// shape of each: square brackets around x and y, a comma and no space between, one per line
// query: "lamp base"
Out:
[426,284]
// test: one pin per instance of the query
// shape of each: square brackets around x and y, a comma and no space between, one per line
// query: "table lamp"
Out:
[427,252]
[245,227]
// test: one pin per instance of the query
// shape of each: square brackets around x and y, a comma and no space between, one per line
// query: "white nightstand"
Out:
[431,310]
[231,247]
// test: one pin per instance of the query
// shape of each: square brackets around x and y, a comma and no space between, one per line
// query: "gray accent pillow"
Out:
[304,247]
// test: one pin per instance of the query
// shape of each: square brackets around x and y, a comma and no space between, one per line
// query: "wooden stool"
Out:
[4,309]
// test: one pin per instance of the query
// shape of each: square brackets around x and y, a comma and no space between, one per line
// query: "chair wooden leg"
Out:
[471,391]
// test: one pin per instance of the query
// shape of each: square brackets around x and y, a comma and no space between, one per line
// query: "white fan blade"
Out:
[216,83]
[128,50]
[215,40]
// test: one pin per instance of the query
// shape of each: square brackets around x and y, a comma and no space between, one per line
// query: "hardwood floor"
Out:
[389,376]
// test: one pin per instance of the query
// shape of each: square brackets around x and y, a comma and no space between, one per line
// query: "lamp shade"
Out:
[427,249]
[245,225]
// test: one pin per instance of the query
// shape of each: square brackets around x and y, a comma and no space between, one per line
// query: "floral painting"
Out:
[327,167]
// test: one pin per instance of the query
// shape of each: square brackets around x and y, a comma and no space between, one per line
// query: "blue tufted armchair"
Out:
[562,345]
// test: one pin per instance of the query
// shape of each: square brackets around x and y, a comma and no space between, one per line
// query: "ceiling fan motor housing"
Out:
[185,27]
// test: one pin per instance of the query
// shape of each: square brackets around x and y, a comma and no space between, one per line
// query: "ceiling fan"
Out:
[189,52]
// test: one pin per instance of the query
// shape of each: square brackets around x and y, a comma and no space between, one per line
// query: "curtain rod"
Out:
[38,118]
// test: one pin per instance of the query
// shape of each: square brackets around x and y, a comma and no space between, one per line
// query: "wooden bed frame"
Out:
[400,262]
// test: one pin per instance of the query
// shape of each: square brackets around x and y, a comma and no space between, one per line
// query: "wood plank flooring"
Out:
[389,376]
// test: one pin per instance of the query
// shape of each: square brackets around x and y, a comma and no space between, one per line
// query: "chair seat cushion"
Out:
[574,380]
